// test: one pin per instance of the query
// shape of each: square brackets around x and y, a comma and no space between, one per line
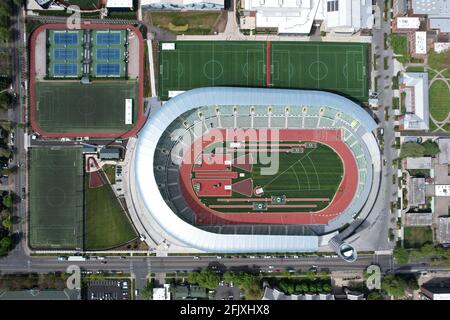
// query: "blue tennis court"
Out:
[106,69]
[108,38]
[108,54]
[65,54]
[66,38]
[63,69]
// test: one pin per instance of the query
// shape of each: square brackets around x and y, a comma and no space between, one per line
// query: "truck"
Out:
[76,258]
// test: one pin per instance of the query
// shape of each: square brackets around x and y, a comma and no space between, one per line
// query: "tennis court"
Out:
[56,198]
[65,53]
[107,69]
[66,37]
[196,64]
[67,107]
[109,37]
[336,67]
[108,53]
[65,70]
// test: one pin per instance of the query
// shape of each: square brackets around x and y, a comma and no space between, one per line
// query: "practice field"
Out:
[336,67]
[304,181]
[107,225]
[196,64]
[56,198]
[71,107]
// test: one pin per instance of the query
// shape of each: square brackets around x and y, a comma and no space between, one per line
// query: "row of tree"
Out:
[413,149]
[6,224]
[305,286]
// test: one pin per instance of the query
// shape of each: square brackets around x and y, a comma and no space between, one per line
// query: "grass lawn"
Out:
[415,69]
[399,45]
[439,61]
[415,237]
[174,21]
[107,225]
[439,100]
[110,171]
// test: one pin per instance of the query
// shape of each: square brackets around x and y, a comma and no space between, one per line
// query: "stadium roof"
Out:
[149,199]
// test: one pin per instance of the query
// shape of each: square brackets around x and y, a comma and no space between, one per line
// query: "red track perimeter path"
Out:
[341,200]
[141,117]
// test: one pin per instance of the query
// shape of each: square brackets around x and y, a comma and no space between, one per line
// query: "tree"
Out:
[375,295]
[5,97]
[147,291]
[396,285]
[5,152]
[401,255]
[7,201]
[7,224]
[206,279]
[5,246]
[431,148]
[412,149]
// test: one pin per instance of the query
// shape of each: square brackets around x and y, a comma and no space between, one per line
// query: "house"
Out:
[109,154]
[419,163]
[417,192]
[443,233]
[414,90]
[183,4]
[418,219]
[274,294]
[436,289]
[298,16]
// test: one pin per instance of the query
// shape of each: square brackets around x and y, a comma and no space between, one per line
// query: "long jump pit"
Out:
[313,177]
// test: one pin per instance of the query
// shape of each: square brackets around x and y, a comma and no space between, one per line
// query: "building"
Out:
[274,294]
[119,4]
[418,163]
[159,203]
[437,11]
[400,7]
[417,192]
[298,16]
[109,154]
[444,155]
[436,289]
[414,89]
[43,5]
[418,219]
[443,234]
[407,23]
[183,4]
[162,293]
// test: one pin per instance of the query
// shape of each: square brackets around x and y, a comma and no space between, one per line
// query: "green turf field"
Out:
[66,106]
[211,63]
[107,226]
[315,173]
[337,67]
[56,198]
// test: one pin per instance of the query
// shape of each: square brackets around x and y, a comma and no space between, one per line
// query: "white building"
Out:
[120,4]
[415,87]
[298,16]
[162,293]
[183,4]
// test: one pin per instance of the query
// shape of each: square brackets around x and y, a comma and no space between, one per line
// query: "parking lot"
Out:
[108,290]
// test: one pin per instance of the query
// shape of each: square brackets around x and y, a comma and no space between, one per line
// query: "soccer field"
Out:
[196,64]
[71,107]
[307,181]
[56,198]
[336,67]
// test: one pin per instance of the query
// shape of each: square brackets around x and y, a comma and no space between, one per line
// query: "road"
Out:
[17,116]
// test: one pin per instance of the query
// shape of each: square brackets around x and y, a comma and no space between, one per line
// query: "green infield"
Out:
[304,181]
[72,107]
[196,64]
[336,67]
[107,225]
[56,198]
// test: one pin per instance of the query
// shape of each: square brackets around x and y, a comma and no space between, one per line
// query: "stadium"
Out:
[241,170]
